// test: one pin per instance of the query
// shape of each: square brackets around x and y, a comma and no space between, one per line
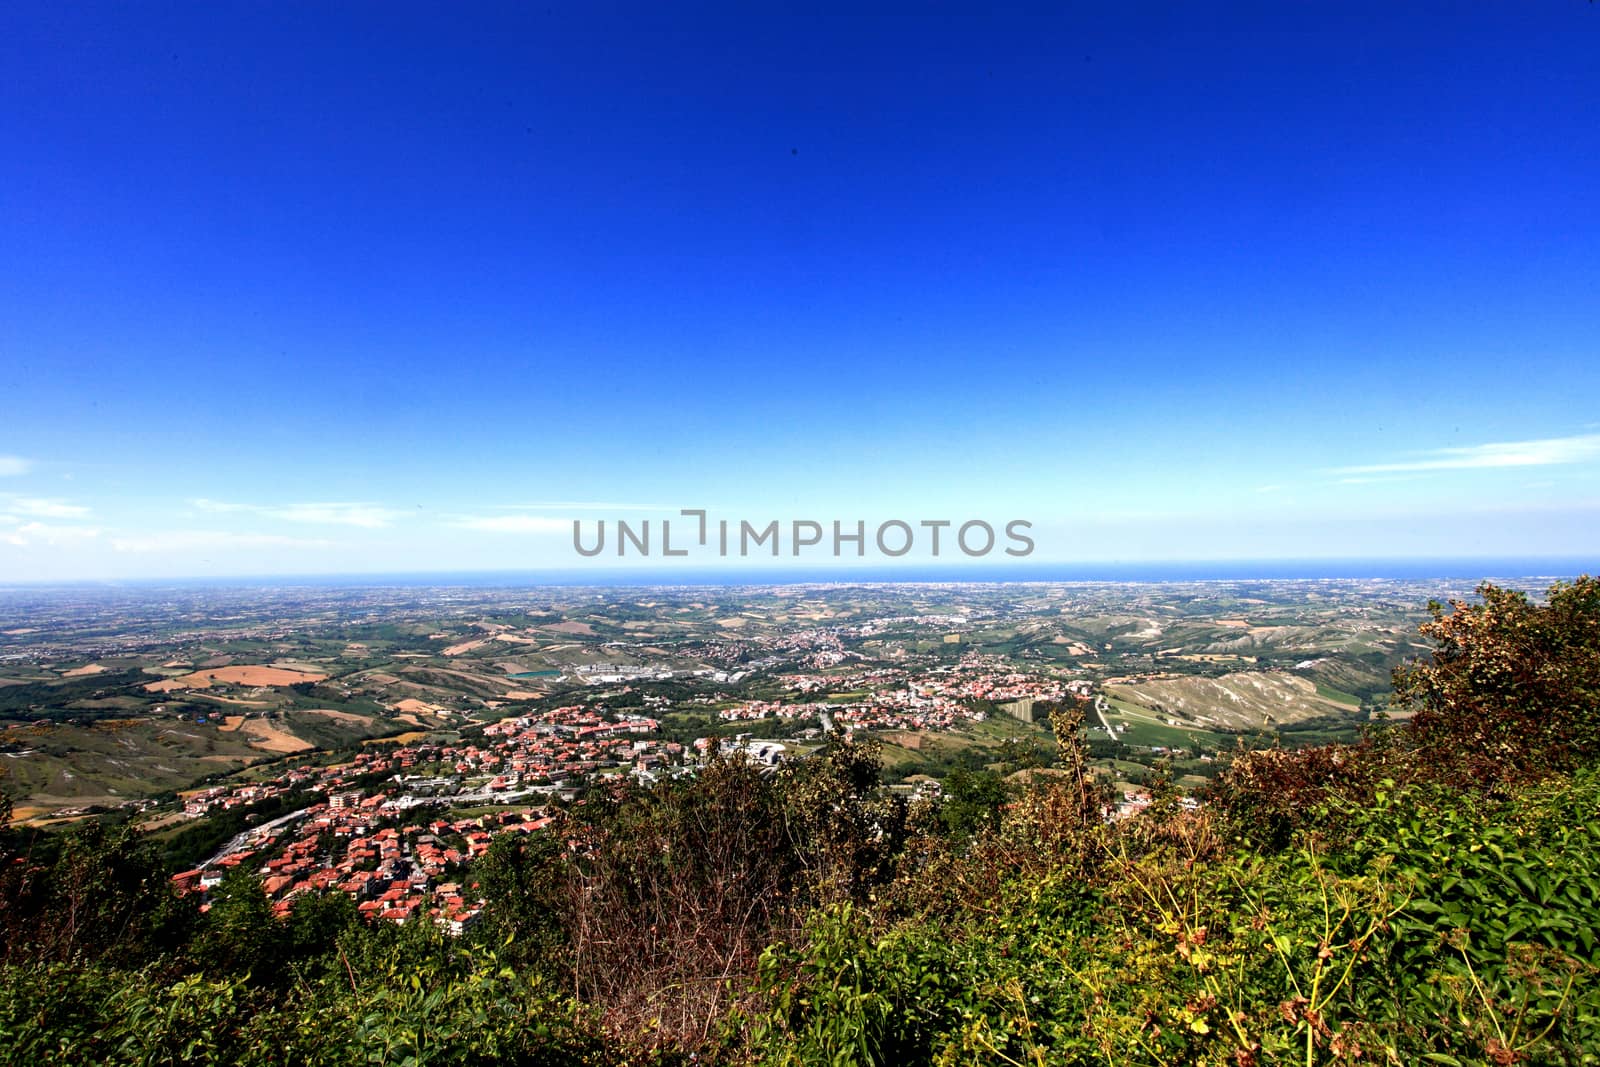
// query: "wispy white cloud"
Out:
[20,515]
[367,516]
[42,507]
[1378,479]
[578,505]
[1543,452]
[512,523]
[43,533]
[221,505]
[195,540]
[14,466]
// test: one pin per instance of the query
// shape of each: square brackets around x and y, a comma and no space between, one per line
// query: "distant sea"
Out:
[1472,570]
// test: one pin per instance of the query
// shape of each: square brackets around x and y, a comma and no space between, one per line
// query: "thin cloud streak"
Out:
[32,533]
[512,523]
[1543,452]
[364,515]
[582,506]
[191,540]
[44,508]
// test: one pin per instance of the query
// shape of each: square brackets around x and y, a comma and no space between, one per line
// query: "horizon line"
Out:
[1309,568]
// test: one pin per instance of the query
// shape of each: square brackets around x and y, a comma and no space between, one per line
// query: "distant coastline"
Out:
[1464,569]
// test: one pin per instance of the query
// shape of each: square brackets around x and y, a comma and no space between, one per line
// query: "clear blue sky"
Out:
[341,287]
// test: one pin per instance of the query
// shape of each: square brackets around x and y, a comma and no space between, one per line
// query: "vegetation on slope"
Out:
[1423,896]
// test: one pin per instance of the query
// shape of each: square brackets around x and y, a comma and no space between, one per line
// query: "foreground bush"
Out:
[469,1010]
[1456,930]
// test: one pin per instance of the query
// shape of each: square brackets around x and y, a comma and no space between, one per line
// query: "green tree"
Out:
[847,828]
[523,879]
[1512,687]
[314,926]
[972,802]
[1017,754]
[240,935]
[103,894]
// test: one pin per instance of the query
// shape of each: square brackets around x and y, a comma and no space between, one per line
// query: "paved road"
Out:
[241,839]
[1100,707]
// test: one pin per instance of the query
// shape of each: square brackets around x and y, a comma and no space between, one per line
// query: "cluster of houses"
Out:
[399,871]
[362,837]
[549,751]
[940,698]
[394,873]
[771,709]
[1132,804]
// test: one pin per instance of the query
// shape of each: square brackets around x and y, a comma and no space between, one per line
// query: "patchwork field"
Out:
[264,734]
[247,676]
[106,696]
[1243,700]
[116,760]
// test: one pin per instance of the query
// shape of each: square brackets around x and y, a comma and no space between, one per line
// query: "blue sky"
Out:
[321,288]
